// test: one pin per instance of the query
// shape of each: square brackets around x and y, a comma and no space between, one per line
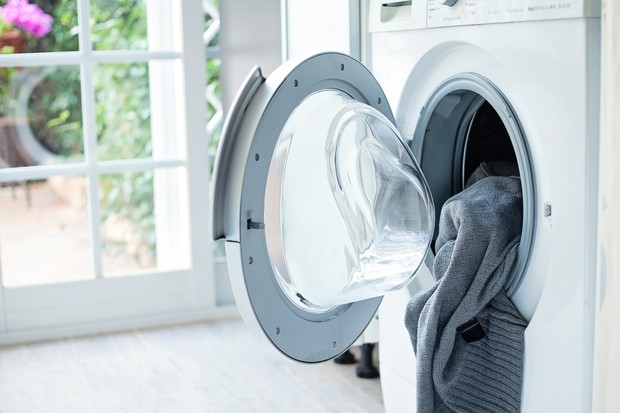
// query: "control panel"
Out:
[394,15]
[442,13]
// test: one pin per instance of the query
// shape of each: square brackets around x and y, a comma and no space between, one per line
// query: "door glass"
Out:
[348,214]
[123,119]
[118,25]
[144,221]
[40,116]
[38,26]
[44,232]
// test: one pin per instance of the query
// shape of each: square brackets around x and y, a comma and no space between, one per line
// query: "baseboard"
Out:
[109,326]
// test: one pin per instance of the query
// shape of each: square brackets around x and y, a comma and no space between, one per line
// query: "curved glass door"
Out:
[321,203]
[348,214]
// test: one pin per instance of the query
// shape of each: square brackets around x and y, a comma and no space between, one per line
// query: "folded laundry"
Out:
[467,335]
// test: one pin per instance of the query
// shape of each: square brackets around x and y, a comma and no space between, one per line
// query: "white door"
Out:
[95,216]
[321,203]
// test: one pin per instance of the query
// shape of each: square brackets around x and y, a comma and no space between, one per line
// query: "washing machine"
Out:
[331,174]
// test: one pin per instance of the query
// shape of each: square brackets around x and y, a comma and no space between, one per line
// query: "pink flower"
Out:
[26,16]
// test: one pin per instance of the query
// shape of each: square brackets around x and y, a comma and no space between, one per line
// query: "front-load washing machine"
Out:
[529,72]
[329,201]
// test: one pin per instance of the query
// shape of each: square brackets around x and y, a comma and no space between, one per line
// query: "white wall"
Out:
[266,32]
[321,26]
[606,394]
[250,35]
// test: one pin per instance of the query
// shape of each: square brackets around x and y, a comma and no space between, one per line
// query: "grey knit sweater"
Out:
[479,234]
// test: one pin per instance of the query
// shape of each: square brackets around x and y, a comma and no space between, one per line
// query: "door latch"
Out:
[255,225]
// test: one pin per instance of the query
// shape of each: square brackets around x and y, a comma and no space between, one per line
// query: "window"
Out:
[104,164]
[213,93]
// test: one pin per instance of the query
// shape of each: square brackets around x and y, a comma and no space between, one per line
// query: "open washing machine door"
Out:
[321,202]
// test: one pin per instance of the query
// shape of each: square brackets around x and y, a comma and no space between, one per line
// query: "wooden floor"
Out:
[209,367]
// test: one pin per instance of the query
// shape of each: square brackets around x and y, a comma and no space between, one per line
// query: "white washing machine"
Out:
[541,61]
[314,170]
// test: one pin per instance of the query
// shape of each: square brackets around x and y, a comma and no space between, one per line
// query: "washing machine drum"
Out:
[323,207]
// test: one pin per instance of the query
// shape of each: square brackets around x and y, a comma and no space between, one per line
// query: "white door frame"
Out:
[152,298]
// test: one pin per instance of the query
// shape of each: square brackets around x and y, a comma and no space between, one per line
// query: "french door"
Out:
[104,169]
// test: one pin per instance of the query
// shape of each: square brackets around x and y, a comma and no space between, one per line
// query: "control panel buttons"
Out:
[445,13]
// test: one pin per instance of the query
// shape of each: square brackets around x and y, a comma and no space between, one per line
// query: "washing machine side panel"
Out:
[396,355]
[396,351]
[559,339]
[399,394]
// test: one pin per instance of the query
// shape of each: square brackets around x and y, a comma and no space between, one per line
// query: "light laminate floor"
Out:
[207,367]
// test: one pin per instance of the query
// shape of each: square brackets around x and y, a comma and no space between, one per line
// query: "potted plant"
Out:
[19,19]
[19,16]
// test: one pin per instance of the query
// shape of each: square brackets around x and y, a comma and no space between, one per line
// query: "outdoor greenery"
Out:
[130,196]
[121,91]
[122,113]
[118,24]
[55,111]
[6,73]
[214,86]
[213,78]
[122,108]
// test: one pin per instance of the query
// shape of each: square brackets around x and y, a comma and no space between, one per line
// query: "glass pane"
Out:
[144,221]
[118,24]
[211,31]
[38,26]
[123,111]
[348,213]
[45,231]
[40,116]
[215,111]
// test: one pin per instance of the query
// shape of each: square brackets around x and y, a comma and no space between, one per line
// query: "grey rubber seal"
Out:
[441,157]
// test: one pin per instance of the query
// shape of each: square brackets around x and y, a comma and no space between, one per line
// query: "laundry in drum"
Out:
[466,333]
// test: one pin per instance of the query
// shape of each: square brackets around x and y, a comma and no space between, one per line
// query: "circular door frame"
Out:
[303,335]
[487,91]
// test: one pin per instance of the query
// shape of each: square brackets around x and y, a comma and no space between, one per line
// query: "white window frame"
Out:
[153,297]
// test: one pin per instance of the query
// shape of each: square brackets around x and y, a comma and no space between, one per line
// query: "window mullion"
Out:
[74,58]
[90,134]
[40,59]
[136,165]
[132,56]
[40,172]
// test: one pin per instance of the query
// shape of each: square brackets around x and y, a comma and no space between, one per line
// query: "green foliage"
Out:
[123,117]
[214,86]
[55,112]
[121,91]
[122,108]
[213,68]
[118,24]
[6,73]
[130,197]
[64,34]
[55,107]
[210,20]
[123,111]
